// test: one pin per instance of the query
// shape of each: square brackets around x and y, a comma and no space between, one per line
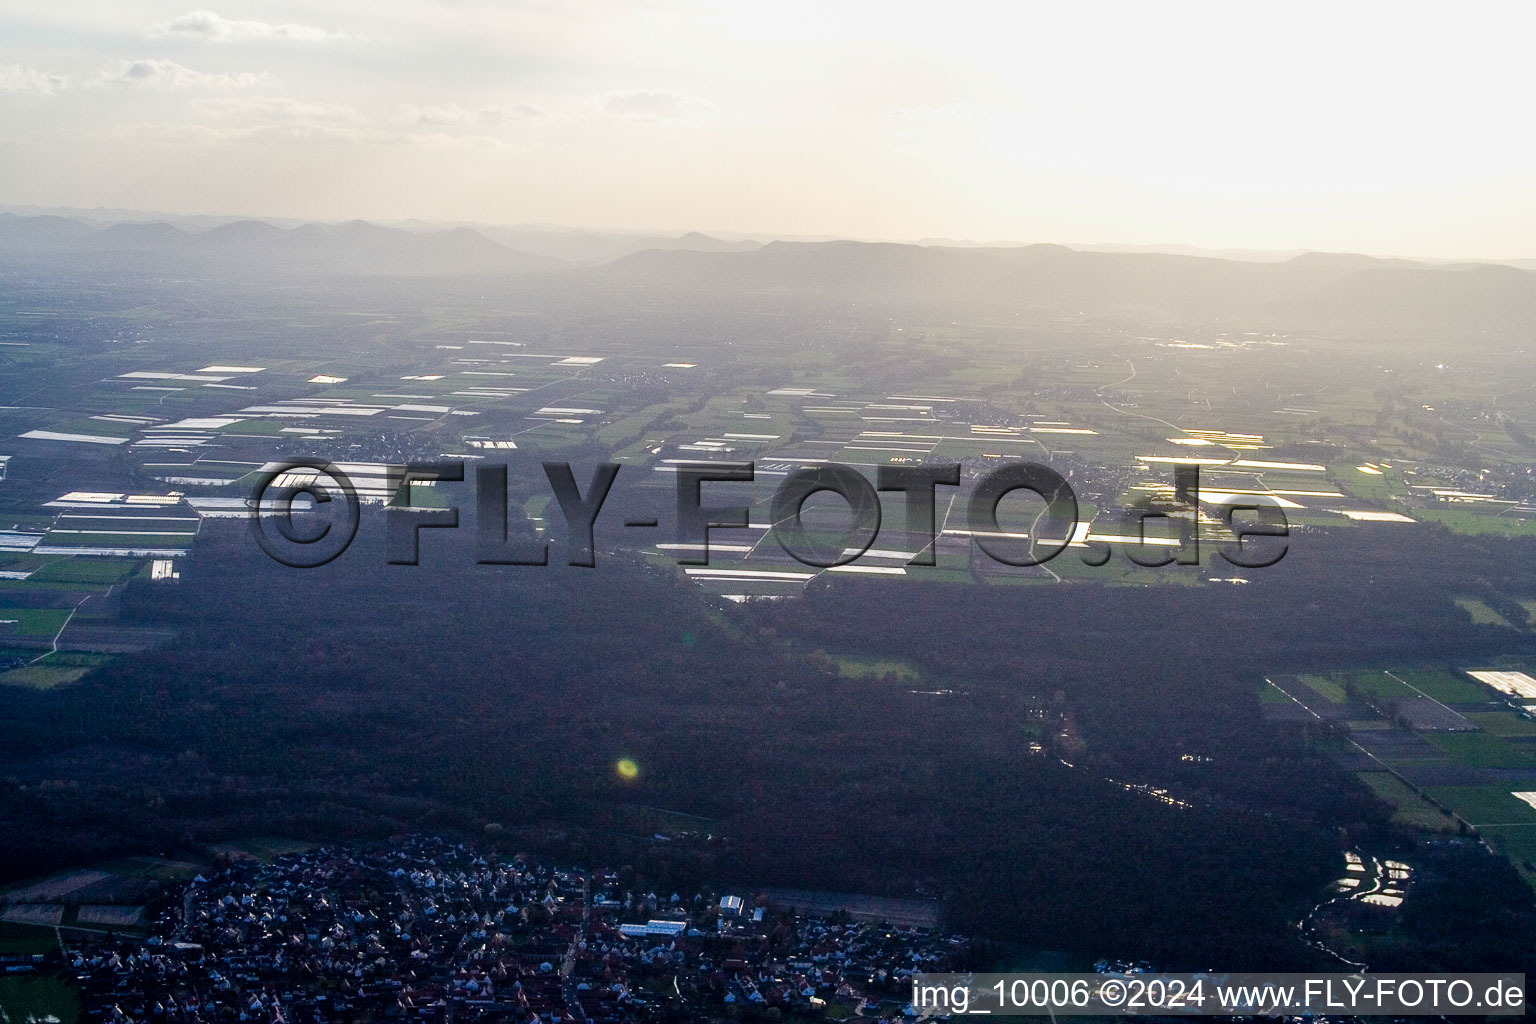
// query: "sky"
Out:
[1372,127]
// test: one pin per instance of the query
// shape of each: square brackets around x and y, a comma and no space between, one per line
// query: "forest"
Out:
[362,698]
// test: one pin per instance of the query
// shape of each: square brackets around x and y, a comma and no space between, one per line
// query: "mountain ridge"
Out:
[1309,290]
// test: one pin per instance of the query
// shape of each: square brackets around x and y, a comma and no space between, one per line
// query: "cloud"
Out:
[654,105]
[512,112]
[276,110]
[212,27]
[441,115]
[448,115]
[20,78]
[167,75]
[284,120]
[281,120]
[302,132]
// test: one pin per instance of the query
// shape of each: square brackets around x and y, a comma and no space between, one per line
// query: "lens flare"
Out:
[628,770]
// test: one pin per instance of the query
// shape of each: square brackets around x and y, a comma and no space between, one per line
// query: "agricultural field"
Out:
[1517,842]
[26,939]
[1408,806]
[1328,688]
[1503,723]
[42,999]
[1485,805]
[191,422]
[1484,750]
[861,667]
[1481,614]
[1484,522]
[1445,685]
[263,848]
[37,914]
[44,676]
[1470,764]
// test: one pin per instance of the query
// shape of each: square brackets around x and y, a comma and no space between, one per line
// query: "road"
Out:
[568,962]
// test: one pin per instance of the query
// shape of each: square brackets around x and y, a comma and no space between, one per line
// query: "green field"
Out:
[151,867]
[1517,842]
[1408,807]
[1272,694]
[1475,523]
[53,669]
[1481,750]
[261,427]
[635,818]
[85,570]
[1361,485]
[176,539]
[262,848]
[1327,687]
[26,938]
[854,666]
[44,622]
[1379,684]
[43,676]
[38,1000]
[422,495]
[1490,805]
[1446,686]
[1501,723]
[1482,615]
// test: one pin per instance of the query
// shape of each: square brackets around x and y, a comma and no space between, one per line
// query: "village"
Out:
[425,929]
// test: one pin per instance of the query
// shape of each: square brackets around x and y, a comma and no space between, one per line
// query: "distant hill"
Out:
[1312,289]
[245,232]
[695,241]
[356,248]
[858,269]
[594,247]
[43,230]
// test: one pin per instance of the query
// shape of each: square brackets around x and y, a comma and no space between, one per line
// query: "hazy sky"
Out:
[1379,127]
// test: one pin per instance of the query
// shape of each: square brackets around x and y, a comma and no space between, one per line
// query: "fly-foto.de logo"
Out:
[305,513]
